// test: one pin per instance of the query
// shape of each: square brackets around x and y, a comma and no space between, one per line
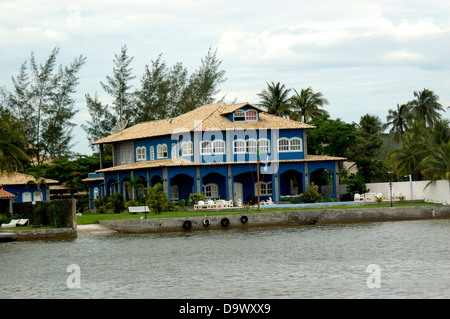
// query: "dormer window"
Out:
[245,116]
[251,115]
[239,116]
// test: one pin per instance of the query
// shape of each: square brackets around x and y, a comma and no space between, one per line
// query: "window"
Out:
[295,144]
[152,153]
[265,188]
[96,193]
[283,145]
[173,154]
[264,145]
[122,157]
[162,151]
[219,147]
[206,147]
[187,149]
[141,153]
[239,146]
[129,156]
[174,194]
[251,146]
[239,116]
[251,115]
[210,190]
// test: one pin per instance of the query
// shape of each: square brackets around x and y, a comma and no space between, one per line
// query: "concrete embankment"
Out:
[280,218]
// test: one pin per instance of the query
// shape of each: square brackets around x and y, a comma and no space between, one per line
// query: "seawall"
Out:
[281,218]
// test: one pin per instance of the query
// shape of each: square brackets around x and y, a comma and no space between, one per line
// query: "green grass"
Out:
[93,218]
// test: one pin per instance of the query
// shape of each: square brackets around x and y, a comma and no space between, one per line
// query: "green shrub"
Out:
[196,197]
[311,195]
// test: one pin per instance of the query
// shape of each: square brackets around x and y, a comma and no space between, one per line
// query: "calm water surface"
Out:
[296,262]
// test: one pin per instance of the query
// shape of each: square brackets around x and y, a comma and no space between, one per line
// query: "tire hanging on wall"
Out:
[225,222]
[187,225]
[206,222]
[244,219]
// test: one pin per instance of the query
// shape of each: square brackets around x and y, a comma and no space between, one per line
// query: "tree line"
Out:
[417,142]
[36,116]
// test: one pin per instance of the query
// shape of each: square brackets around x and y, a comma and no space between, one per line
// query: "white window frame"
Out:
[218,146]
[161,151]
[241,114]
[295,147]
[264,188]
[141,153]
[212,192]
[285,147]
[129,157]
[187,148]
[251,118]
[122,157]
[251,148]
[174,192]
[241,149]
[206,147]
[264,145]
[152,153]
[173,153]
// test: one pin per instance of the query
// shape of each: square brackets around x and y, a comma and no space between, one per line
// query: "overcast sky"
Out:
[364,56]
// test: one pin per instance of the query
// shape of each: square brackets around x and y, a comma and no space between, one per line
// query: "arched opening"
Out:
[291,183]
[214,186]
[181,186]
[324,179]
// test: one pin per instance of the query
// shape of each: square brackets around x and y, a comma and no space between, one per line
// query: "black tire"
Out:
[244,219]
[206,222]
[225,222]
[187,225]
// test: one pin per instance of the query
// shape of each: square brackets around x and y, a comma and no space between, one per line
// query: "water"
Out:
[328,261]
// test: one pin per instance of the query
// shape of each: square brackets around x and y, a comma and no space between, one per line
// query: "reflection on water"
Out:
[295,262]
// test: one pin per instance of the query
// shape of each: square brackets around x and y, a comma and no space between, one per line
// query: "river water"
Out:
[404,259]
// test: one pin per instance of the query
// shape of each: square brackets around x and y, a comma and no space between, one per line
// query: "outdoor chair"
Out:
[12,223]
[22,222]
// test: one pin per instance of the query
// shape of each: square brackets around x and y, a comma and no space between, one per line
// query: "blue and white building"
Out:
[213,150]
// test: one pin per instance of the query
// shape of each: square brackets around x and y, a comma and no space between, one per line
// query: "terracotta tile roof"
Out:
[184,162]
[211,117]
[4,194]
[21,179]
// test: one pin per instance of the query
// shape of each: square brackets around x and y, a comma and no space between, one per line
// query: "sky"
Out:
[364,56]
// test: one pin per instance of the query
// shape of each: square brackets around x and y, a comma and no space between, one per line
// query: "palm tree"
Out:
[11,156]
[425,107]
[307,104]
[275,99]
[405,159]
[398,118]
[436,165]
[371,124]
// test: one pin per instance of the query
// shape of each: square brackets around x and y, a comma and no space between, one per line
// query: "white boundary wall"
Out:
[438,192]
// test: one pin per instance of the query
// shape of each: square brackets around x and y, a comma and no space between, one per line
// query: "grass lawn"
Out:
[93,218]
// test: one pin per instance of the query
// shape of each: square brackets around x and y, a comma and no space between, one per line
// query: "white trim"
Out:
[261,150]
[240,116]
[244,146]
[216,191]
[252,120]
[161,151]
[152,153]
[206,147]
[222,147]
[187,148]
[141,153]
[289,145]
[173,192]
[247,147]
[263,188]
